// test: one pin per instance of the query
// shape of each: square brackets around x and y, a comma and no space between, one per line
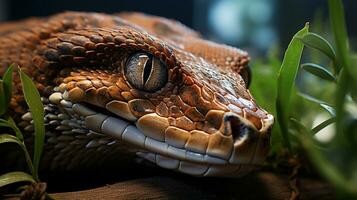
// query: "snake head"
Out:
[155,84]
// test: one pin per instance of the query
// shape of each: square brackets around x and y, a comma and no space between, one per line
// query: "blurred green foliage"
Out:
[325,86]
[33,100]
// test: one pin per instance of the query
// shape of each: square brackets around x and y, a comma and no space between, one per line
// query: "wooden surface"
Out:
[262,185]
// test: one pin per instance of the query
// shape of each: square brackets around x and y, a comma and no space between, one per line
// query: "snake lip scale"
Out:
[163,154]
[137,84]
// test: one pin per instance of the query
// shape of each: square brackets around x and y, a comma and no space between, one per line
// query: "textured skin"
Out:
[82,56]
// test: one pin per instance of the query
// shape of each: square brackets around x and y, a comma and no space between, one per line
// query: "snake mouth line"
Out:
[161,153]
[103,121]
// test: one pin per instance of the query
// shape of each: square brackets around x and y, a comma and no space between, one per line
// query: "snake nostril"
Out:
[238,127]
[241,131]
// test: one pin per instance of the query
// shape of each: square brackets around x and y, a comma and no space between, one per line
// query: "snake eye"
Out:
[145,72]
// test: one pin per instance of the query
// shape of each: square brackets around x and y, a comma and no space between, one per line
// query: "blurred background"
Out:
[254,25]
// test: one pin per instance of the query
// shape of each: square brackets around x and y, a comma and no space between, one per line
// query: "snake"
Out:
[133,83]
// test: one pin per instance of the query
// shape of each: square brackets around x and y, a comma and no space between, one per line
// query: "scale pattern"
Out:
[79,57]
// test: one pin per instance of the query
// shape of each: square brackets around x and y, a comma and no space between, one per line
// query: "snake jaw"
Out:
[234,146]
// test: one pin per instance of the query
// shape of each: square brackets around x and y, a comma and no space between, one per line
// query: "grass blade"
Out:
[7,84]
[33,100]
[315,41]
[16,129]
[312,99]
[6,90]
[14,177]
[2,99]
[338,25]
[319,71]
[353,59]
[328,107]
[286,79]
[11,124]
[324,166]
[7,138]
[322,125]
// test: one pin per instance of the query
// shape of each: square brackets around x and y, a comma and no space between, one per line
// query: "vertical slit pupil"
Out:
[147,69]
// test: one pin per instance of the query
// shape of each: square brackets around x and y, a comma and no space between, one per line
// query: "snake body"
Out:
[136,83]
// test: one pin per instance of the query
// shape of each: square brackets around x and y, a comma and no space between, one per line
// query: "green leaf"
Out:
[311,98]
[5,90]
[2,99]
[338,25]
[33,100]
[7,138]
[286,79]
[4,123]
[322,125]
[16,129]
[347,78]
[328,107]
[11,124]
[318,159]
[316,41]
[7,84]
[319,71]
[14,177]
[353,90]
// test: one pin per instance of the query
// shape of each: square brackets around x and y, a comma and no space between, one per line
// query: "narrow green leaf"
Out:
[2,99]
[328,107]
[338,25]
[354,91]
[4,124]
[11,124]
[322,125]
[33,100]
[286,79]
[6,90]
[14,177]
[16,129]
[7,84]
[324,166]
[7,138]
[312,99]
[347,77]
[316,41]
[319,71]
